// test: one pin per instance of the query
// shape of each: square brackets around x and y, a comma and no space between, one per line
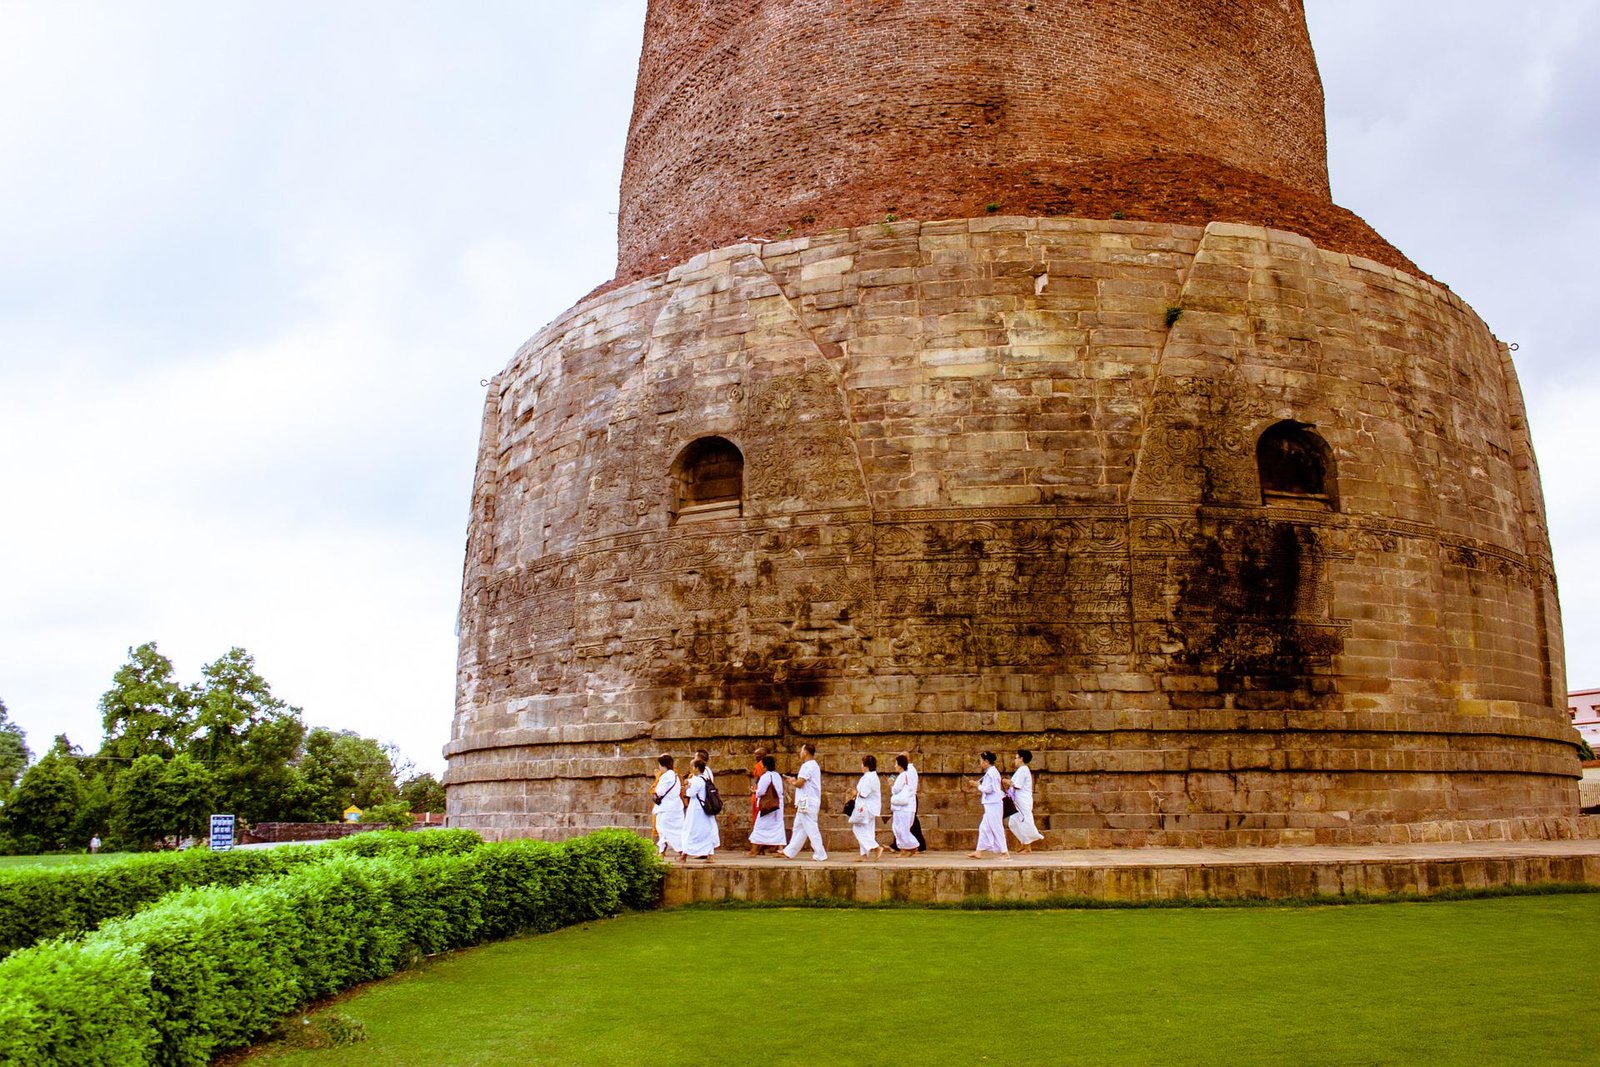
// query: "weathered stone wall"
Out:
[994,495]
[765,116]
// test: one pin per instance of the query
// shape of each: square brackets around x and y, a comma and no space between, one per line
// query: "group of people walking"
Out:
[685,810]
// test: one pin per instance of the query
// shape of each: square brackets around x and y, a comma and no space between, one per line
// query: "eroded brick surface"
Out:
[776,117]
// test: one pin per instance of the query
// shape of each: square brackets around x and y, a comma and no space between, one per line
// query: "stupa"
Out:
[983,374]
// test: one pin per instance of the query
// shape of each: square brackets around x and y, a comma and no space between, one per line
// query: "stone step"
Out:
[1140,874]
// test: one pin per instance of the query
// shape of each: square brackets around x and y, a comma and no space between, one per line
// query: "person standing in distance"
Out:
[992,831]
[1021,823]
[807,806]
[668,810]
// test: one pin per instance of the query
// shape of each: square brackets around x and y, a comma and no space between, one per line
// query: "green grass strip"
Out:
[1543,889]
[1474,982]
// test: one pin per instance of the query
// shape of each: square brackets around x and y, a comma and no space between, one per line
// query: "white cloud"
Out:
[256,257]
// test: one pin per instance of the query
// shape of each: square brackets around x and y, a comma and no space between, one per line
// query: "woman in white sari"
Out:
[700,827]
[667,797]
[868,808]
[903,806]
[768,829]
[1021,822]
[992,831]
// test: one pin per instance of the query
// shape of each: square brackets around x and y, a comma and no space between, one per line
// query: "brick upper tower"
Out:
[768,117]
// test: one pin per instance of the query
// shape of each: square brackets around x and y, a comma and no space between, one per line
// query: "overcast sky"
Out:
[255,259]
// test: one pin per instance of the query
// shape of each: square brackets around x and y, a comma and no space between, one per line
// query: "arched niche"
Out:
[1296,466]
[708,481]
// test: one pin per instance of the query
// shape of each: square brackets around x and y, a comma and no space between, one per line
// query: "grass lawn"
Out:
[1471,982]
[59,861]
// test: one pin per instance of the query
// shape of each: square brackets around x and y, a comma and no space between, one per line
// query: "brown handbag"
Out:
[768,802]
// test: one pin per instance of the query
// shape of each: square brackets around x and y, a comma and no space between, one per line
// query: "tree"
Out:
[188,796]
[343,767]
[230,702]
[94,810]
[156,799]
[42,813]
[394,813]
[14,754]
[137,821]
[248,737]
[146,712]
[423,793]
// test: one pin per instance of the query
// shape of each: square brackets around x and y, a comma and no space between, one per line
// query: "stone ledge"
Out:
[1144,875]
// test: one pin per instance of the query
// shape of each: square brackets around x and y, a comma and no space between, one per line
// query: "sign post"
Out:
[221,833]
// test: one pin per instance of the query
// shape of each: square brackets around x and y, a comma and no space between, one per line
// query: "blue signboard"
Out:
[221,833]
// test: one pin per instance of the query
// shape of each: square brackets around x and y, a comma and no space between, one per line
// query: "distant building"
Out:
[1584,704]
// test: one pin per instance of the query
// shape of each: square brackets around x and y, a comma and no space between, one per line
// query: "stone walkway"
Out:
[1141,874]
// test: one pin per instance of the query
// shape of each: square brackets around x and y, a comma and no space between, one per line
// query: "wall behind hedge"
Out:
[214,968]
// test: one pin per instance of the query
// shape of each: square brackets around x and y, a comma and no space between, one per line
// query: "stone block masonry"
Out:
[984,375]
[1151,875]
[1003,485]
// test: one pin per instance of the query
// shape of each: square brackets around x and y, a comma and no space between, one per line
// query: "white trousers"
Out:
[805,829]
[992,831]
[1022,822]
[866,834]
[669,831]
[903,818]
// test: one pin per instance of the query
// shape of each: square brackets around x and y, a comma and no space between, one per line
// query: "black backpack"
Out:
[712,801]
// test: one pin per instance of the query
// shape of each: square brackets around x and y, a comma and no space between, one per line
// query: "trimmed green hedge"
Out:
[42,902]
[214,968]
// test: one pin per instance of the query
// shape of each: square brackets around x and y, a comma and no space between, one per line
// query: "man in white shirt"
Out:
[807,805]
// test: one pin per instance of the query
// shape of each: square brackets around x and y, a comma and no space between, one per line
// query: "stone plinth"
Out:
[1146,874]
[1001,488]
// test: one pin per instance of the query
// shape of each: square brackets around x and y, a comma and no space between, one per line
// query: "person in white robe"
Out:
[767,830]
[992,831]
[903,805]
[705,757]
[667,796]
[807,806]
[916,820]
[699,825]
[1021,823]
[868,808]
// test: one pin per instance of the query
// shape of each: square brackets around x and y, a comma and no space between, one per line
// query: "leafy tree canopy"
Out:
[157,799]
[231,702]
[342,767]
[423,793]
[249,738]
[146,711]
[14,754]
[42,813]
